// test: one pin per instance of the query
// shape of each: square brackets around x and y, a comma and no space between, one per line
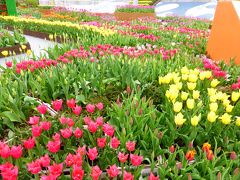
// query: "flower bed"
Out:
[145,105]
[12,44]
[133,12]
[15,50]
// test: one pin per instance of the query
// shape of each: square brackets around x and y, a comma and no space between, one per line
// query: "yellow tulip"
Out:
[213,106]
[176,79]
[211,91]
[184,96]
[173,94]
[160,80]
[179,119]
[5,53]
[177,106]
[167,79]
[192,78]
[179,86]
[226,103]
[225,97]
[184,77]
[195,120]
[191,86]
[185,70]
[51,37]
[235,96]
[190,103]
[219,95]
[23,46]
[211,117]
[213,98]
[226,118]
[202,75]
[229,108]
[196,71]
[167,94]
[208,74]
[196,94]
[214,83]
[238,121]
[29,52]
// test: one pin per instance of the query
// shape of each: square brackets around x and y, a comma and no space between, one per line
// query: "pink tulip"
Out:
[42,109]
[136,160]
[57,104]
[90,108]
[92,153]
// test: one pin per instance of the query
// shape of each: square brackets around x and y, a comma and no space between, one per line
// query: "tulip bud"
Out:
[233,155]
[172,149]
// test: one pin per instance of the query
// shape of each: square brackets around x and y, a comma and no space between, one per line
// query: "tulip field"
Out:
[118,100]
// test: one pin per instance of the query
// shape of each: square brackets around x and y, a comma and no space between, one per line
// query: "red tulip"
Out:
[96,172]
[128,176]
[63,120]
[66,133]
[70,122]
[101,142]
[90,108]
[77,159]
[56,137]
[5,151]
[92,127]
[92,153]
[56,169]
[57,104]
[53,146]
[122,157]
[136,160]
[113,171]
[77,173]
[34,120]
[46,125]
[42,109]
[30,143]
[130,146]
[16,151]
[78,133]
[71,103]
[100,106]
[69,160]
[77,110]
[108,129]
[114,143]
[45,160]
[99,121]
[36,131]
[9,64]
[190,155]
[87,120]
[152,177]
[34,167]
[10,173]
[210,155]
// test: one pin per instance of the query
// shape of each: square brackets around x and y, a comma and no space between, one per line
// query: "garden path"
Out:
[38,47]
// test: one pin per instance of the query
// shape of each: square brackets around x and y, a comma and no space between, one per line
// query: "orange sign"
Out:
[224,40]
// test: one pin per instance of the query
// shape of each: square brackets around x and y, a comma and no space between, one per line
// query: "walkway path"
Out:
[38,47]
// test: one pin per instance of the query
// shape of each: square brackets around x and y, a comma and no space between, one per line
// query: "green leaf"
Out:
[11,116]
[80,98]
